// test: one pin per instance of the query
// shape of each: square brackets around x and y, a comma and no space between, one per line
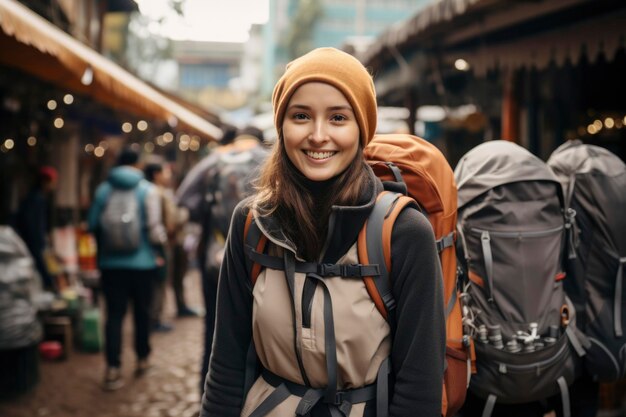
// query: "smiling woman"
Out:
[206,20]
[292,291]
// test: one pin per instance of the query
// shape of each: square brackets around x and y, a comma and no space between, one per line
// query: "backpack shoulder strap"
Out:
[374,247]
[253,237]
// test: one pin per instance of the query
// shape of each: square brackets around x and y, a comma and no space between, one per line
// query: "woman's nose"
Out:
[319,133]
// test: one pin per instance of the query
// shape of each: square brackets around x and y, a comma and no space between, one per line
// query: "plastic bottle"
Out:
[91,336]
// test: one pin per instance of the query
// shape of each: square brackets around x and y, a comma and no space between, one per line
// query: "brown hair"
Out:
[304,220]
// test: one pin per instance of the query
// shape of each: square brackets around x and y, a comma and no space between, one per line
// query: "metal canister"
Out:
[495,336]
[512,346]
[482,334]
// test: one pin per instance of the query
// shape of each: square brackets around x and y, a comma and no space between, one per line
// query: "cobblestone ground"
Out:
[71,388]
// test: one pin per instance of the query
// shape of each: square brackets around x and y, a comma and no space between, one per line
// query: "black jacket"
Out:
[32,225]
[418,350]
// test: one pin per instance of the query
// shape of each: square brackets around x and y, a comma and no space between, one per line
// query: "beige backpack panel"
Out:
[362,334]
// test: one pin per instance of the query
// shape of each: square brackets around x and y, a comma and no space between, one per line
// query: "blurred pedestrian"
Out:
[31,221]
[126,219]
[323,346]
[227,183]
[160,175]
[191,191]
[180,265]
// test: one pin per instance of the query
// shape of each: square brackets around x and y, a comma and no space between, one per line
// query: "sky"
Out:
[206,20]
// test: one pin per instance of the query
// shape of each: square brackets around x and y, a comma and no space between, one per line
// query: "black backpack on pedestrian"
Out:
[594,182]
[511,225]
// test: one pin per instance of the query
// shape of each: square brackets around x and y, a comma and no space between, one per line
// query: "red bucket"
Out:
[51,350]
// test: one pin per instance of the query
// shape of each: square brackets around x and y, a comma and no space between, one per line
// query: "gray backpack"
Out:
[511,225]
[228,182]
[121,220]
[594,182]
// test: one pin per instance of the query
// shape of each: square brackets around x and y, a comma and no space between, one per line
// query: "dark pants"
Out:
[119,286]
[209,288]
[180,264]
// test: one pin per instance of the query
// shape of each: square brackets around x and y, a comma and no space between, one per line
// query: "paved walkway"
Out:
[71,388]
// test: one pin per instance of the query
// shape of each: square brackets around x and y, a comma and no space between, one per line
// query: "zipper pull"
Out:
[502,368]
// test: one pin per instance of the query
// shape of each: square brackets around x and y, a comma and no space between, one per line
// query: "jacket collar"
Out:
[344,227]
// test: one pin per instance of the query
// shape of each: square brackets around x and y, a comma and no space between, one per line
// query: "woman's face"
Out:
[320,131]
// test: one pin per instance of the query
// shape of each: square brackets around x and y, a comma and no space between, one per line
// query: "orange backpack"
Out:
[418,169]
[412,170]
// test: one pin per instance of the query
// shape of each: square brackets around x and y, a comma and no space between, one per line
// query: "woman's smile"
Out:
[320,156]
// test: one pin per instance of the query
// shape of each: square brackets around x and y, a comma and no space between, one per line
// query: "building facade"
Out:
[295,27]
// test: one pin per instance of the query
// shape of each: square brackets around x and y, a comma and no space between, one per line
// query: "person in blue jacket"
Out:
[122,203]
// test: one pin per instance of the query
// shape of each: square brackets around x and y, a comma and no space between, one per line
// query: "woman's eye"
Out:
[299,116]
[338,118]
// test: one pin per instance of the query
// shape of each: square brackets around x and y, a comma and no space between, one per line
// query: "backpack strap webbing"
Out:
[489,405]
[254,238]
[374,247]
[617,297]
[254,246]
[565,397]
[445,242]
[374,254]
[323,270]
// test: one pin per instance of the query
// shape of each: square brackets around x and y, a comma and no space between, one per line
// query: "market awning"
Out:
[34,45]
[422,23]
[500,33]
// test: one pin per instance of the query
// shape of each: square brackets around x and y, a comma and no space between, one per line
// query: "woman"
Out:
[314,195]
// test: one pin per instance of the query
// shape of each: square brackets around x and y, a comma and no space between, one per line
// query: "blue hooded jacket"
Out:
[123,177]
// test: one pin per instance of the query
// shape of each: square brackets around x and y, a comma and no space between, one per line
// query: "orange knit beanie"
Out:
[339,69]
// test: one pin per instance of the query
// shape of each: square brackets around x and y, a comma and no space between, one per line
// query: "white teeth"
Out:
[319,155]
